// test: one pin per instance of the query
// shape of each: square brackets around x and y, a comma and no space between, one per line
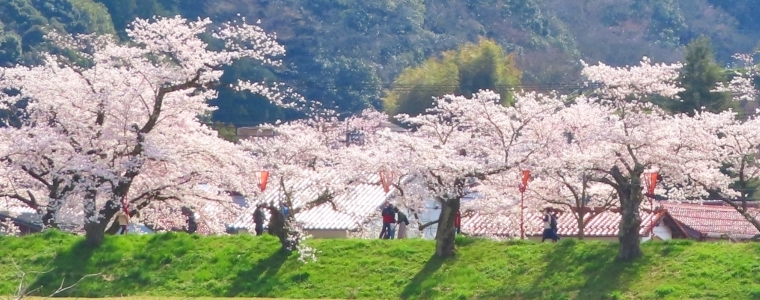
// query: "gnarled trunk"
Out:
[278,226]
[96,221]
[630,225]
[629,192]
[94,233]
[444,236]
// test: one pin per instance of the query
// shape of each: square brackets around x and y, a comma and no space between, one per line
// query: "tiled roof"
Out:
[607,223]
[712,219]
[353,207]
[603,224]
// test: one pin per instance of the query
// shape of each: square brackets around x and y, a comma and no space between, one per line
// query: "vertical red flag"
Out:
[263,178]
[652,183]
[525,178]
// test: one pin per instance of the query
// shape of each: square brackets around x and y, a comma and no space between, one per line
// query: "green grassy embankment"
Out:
[236,266]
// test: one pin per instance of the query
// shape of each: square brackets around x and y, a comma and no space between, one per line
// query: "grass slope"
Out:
[245,266]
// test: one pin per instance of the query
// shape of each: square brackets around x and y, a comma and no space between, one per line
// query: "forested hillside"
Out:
[346,53]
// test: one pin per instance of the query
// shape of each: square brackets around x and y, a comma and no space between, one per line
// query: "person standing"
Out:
[458,222]
[258,220]
[402,221]
[554,226]
[191,224]
[550,226]
[123,220]
[388,219]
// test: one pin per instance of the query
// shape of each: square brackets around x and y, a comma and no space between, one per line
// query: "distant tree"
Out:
[699,77]
[414,89]
[467,70]
[227,132]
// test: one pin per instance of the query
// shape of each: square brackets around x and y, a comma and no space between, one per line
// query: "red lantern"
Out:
[386,179]
[525,178]
[263,178]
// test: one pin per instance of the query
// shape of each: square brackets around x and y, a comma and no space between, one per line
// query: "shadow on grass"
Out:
[420,287]
[579,271]
[260,280]
[69,265]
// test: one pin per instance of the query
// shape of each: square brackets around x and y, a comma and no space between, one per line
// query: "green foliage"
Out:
[246,109]
[471,68]
[25,22]
[124,12]
[415,87]
[699,75]
[181,265]
[745,12]
[668,22]
[227,132]
[344,53]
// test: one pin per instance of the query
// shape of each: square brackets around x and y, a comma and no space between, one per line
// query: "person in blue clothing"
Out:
[284,208]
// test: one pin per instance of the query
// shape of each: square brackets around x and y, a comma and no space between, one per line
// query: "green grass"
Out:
[181,265]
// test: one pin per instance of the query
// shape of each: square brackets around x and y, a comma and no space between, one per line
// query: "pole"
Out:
[522,215]
[651,219]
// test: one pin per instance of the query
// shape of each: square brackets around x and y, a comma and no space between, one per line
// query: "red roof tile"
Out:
[604,224]
[707,219]
[712,219]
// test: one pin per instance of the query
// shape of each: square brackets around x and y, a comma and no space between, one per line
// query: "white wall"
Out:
[661,231]
[431,212]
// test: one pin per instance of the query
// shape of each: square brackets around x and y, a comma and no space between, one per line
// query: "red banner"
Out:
[386,179]
[525,178]
[263,178]
[652,183]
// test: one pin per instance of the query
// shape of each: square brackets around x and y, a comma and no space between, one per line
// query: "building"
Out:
[713,221]
[356,212]
[25,219]
[599,225]
[670,221]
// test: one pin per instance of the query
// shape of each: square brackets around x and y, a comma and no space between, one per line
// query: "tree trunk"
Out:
[629,192]
[94,233]
[278,226]
[752,220]
[742,209]
[581,225]
[444,236]
[95,222]
[113,229]
[630,224]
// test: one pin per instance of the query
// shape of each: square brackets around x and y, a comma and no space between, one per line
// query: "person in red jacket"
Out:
[389,217]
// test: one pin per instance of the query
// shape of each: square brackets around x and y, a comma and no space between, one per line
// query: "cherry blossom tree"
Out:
[736,144]
[572,188]
[118,124]
[742,85]
[565,180]
[461,141]
[631,137]
[309,166]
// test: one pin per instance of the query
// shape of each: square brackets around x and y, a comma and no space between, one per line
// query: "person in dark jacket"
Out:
[258,220]
[402,222]
[191,225]
[389,217]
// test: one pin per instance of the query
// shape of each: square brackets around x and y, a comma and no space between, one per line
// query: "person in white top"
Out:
[550,226]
